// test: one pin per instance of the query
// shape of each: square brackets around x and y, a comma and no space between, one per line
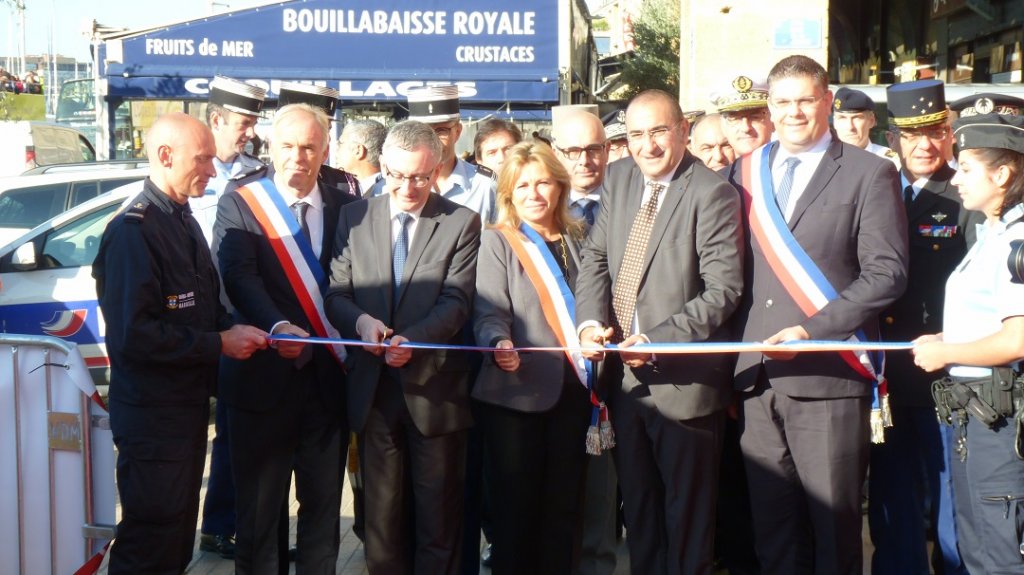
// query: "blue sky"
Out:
[68,18]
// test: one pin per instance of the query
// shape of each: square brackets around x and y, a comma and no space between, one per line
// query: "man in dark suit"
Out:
[405,268]
[805,421]
[663,263]
[906,482]
[286,406]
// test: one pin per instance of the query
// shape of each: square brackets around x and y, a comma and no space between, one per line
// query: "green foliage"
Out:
[655,61]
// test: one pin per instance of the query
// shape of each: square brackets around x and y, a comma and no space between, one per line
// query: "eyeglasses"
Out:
[804,103]
[935,134]
[751,116]
[443,132]
[657,134]
[417,181]
[575,153]
[617,145]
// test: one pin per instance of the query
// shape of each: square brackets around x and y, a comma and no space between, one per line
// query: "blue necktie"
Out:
[585,209]
[401,250]
[786,185]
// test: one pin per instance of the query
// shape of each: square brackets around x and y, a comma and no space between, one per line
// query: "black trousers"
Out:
[806,461]
[303,435]
[414,490]
[535,468]
[668,473]
[160,457]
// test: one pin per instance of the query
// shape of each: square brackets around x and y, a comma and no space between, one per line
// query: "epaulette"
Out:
[480,169]
[137,211]
[260,171]
[890,154]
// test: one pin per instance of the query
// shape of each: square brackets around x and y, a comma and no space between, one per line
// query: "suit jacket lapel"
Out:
[819,179]
[379,214]
[424,230]
[330,225]
[673,197]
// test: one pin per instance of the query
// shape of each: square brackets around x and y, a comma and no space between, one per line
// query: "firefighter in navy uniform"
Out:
[165,333]
[327,100]
[909,473]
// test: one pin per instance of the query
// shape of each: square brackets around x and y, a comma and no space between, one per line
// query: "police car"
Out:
[47,286]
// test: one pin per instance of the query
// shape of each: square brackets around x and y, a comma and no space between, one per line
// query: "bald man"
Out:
[166,332]
[709,144]
[582,148]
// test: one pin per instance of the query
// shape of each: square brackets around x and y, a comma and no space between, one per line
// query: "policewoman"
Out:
[981,343]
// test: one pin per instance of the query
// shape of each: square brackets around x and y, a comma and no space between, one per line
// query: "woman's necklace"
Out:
[565,252]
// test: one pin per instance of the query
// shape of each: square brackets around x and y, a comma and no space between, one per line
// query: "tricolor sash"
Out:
[295,253]
[801,277]
[558,305]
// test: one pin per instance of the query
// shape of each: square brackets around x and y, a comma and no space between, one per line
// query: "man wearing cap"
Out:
[458,180]
[827,251]
[327,100]
[231,113]
[405,270]
[853,117]
[273,239]
[743,105]
[708,143]
[907,470]
[615,131]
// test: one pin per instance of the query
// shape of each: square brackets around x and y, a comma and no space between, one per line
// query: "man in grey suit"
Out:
[805,421]
[405,268]
[663,263]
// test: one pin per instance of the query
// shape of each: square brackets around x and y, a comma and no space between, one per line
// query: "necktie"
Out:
[585,209]
[299,209]
[908,197]
[627,282]
[786,185]
[401,250]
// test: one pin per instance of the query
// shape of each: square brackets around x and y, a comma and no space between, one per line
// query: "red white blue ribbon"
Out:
[295,253]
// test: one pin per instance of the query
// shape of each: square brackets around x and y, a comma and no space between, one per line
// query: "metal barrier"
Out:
[56,451]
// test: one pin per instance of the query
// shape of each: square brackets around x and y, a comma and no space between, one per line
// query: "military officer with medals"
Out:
[940,231]
[459,181]
[853,117]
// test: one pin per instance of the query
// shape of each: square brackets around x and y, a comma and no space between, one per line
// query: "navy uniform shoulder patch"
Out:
[137,211]
[486,172]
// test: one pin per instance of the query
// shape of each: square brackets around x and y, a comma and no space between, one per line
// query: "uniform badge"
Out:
[430,108]
[742,84]
[837,104]
[984,106]
[938,216]
[172,302]
[620,117]
[963,140]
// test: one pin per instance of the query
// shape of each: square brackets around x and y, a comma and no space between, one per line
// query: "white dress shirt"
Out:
[809,161]
[314,215]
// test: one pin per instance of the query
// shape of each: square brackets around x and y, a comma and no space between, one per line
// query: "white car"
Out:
[47,286]
[29,200]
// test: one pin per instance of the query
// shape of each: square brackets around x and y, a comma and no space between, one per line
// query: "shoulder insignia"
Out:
[137,211]
[486,171]
[890,154]
[260,171]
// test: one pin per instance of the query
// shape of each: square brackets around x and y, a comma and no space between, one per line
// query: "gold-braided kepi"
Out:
[916,104]
[742,93]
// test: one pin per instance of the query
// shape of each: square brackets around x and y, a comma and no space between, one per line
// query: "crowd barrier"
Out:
[57,491]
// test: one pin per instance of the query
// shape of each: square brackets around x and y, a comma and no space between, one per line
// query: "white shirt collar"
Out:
[314,198]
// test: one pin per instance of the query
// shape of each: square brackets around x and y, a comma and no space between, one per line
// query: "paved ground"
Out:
[350,557]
